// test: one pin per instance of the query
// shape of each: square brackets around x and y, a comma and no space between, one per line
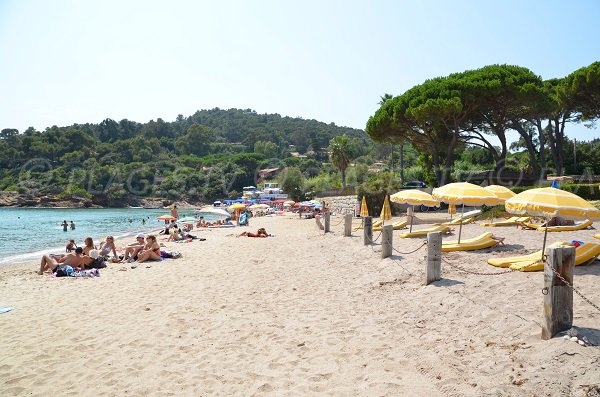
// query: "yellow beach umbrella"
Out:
[289,203]
[501,192]
[386,211]
[236,206]
[550,202]
[414,197]
[258,206]
[364,211]
[466,194]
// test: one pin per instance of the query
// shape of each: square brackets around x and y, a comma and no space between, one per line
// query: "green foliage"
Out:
[340,153]
[210,154]
[292,182]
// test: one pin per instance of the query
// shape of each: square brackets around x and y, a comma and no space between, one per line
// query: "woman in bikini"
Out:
[107,246]
[261,233]
[89,245]
[150,251]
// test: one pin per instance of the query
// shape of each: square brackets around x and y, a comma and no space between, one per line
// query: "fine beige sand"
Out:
[298,314]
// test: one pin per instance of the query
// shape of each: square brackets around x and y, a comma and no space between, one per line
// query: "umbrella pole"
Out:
[411,221]
[459,231]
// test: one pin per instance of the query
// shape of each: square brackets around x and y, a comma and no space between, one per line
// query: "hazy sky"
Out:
[63,62]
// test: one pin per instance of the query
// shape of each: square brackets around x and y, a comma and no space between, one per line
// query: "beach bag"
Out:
[63,271]
[98,263]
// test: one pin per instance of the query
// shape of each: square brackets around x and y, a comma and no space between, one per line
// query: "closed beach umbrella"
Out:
[386,211]
[364,211]
[166,217]
[501,192]
[549,202]
[414,197]
[464,193]
[451,209]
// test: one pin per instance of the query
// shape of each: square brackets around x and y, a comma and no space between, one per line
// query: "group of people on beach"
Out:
[89,256]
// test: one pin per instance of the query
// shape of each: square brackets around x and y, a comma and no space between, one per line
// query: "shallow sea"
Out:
[27,233]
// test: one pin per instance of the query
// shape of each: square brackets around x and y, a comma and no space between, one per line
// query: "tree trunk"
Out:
[343,178]
[402,164]
[435,158]
[550,129]
[535,169]
[542,139]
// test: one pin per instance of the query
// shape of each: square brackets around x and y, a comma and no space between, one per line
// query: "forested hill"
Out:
[212,153]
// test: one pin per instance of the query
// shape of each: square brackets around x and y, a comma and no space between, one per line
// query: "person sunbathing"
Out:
[132,250]
[107,246]
[71,246]
[150,251]
[76,259]
[89,245]
[260,233]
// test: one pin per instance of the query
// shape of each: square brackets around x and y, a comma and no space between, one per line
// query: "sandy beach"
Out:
[298,314]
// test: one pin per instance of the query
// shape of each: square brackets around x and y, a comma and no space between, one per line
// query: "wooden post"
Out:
[386,241]
[347,225]
[433,272]
[367,230]
[558,298]
[327,222]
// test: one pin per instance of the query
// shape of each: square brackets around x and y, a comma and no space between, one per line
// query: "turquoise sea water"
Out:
[27,233]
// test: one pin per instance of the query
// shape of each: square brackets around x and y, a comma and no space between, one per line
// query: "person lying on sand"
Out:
[150,251]
[74,260]
[261,233]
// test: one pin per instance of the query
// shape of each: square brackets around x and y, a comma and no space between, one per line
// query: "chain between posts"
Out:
[574,289]
[411,252]
[477,273]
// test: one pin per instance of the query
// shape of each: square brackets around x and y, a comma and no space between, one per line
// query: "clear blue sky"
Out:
[63,62]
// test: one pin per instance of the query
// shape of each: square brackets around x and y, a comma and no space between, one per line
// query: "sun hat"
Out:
[94,254]
[140,235]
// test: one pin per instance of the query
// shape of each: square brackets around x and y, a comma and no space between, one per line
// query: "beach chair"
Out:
[375,224]
[485,240]
[513,221]
[568,228]
[584,254]
[533,257]
[467,217]
[396,226]
[423,232]
[597,236]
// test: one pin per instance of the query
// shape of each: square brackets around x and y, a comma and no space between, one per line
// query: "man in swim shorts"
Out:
[74,260]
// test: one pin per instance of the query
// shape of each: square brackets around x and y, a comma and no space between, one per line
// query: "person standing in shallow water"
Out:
[174,212]
[65,225]
[72,225]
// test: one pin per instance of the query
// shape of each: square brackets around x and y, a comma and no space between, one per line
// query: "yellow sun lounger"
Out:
[396,226]
[509,260]
[485,240]
[423,232]
[570,228]
[583,254]
[507,222]
[375,224]
[596,235]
